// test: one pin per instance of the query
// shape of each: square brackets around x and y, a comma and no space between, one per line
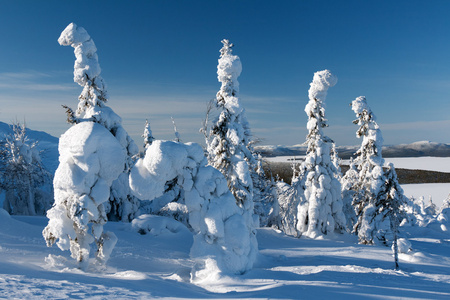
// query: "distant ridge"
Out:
[416,149]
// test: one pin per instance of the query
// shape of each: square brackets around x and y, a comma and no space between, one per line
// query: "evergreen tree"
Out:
[92,107]
[228,142]
[379,194]
[320,207]
[147,135]
[90,158]
[390,199]
[349,184]
[370,167]
[22,174]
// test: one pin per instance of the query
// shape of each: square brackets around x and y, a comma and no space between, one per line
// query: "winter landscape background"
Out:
[188,173]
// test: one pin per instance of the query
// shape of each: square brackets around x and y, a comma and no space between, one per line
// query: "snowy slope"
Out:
[146,266]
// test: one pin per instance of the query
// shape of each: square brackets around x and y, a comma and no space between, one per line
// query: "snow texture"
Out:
[92,107]
[223,240]
[320,206]
[90,160]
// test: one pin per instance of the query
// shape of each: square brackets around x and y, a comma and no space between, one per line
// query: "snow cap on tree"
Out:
[86,64]
[322,81]
[229,67]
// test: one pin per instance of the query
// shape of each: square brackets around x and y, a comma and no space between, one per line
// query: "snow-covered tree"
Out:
[445,204]
[371,175]
[349,184]
[224,242]
[390,200]
[288,202]
[22,174]
[147,135]
[320,207]
[175,130]
[90,158]
[92,107]
[378,193]
[265,198]
[228,141]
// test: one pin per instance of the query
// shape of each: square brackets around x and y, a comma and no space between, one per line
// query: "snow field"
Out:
[157,265]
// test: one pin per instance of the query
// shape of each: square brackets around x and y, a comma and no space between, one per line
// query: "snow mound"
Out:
[157,225]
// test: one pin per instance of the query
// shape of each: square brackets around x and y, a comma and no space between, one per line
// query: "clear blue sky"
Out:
[159,60]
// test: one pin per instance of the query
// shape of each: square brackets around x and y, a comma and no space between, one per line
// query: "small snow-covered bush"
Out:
[404,246]
[223,240]
[90,159]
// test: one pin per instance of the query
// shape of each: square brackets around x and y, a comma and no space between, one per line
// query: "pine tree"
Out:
[92,107]
[228,142]
[379,194]
[349,184]
[320,207]
[147,135]
[370,167]
[390,199]
[22,174]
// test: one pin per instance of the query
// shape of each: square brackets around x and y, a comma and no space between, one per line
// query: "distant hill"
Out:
[417,149]
[47,143]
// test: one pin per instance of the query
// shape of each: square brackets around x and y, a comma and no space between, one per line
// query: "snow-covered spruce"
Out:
[228,142]
[92,107]
[265,198]
[23,175]
[224,242]
[147,135]
[288,201]
[378,193]
[320,206]
[90,158]
[369,223]
[349,185]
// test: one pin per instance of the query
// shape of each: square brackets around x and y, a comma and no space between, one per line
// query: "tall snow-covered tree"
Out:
[320,207]
[90,158]
[92,107]
[378,194]
[228,142]
[22,174]
[371,175]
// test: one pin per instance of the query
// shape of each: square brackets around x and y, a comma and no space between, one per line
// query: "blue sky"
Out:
[159,60]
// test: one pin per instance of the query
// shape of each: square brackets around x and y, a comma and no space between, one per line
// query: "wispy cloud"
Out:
[32,81]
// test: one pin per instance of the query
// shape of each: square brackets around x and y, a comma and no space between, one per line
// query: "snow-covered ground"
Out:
[438,164]
[147,266]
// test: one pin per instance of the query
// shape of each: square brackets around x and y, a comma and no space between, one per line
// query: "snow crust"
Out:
[223,241]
